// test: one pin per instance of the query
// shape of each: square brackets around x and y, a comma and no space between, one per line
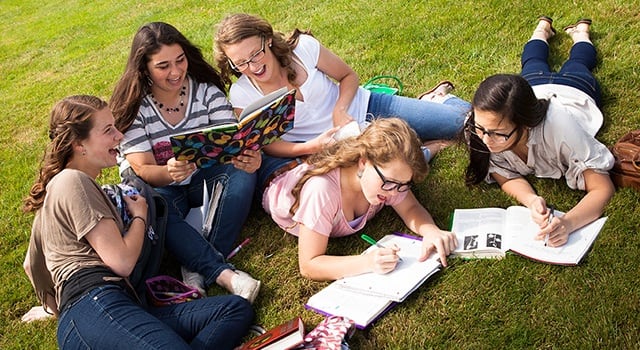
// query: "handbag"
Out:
[165,290]
[374,85]
[626,168]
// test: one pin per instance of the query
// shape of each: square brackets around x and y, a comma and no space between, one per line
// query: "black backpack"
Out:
[148,263]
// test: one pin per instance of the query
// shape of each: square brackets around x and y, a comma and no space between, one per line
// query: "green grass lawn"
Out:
[51,50]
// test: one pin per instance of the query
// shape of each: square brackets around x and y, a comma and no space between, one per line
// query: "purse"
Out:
[381,88]
[626,169]
[165,290]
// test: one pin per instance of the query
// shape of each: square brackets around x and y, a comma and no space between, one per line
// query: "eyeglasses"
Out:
[255,58]
[388,185]
[493,136]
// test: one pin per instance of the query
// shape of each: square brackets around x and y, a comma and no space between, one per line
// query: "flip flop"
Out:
[433,89]
[572,27]
[548,20]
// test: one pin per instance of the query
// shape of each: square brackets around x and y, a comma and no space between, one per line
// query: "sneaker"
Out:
[245,286]
[193,279]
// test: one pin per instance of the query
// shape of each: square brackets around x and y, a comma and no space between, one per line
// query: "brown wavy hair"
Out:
[384,141]
[134,82]
[237,27]
[70,121]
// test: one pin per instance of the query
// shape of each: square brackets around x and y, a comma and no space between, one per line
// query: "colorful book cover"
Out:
[218,145]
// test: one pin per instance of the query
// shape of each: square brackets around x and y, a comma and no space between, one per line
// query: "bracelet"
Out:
[138,217]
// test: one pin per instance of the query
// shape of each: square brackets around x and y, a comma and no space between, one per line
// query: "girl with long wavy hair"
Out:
[338,190]
[81,254]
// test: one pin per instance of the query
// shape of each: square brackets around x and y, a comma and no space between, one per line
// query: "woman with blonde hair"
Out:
[338,190]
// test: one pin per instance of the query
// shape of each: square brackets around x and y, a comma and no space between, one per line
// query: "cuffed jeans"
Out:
[189,247]
[107,318]
[575,72]
[430,120]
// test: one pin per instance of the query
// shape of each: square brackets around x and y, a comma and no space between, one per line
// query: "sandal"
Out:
[441,89]
[574,27]
[550,21]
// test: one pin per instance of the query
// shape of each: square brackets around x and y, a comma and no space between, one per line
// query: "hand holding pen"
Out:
[551,209]
[372,241]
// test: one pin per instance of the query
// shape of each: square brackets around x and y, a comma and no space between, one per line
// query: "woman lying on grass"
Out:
[338,190]
[544,123]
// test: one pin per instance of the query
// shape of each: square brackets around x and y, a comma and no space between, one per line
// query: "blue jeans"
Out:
[430,120]
[575,72]
[189,247]
[107,318]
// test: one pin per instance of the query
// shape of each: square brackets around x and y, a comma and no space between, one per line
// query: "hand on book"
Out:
[442,242]
[179,170]
[248,161]
[557,230]
[323,140]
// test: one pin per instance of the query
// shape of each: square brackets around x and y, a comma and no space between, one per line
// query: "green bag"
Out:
[382,88]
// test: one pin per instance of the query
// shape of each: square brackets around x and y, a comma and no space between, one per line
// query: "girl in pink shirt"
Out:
[339,189]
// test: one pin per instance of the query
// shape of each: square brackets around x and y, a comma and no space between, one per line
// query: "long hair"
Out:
[237,27]
[384,141]
[70,121]
[511,97]
[135,82]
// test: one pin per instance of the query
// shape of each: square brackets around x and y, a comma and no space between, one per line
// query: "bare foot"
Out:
[435,146]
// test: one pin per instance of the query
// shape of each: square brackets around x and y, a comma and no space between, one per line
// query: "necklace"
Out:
[183,92]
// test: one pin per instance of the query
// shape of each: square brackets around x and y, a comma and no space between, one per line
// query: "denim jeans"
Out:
[430,120]
[189,247]
[575,72]
[107,318]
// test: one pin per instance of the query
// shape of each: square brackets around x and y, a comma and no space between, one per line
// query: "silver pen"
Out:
[550,209]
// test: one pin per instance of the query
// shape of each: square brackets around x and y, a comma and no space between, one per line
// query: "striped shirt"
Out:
[150,132]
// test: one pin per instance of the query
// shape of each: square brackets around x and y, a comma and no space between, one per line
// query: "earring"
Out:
[359,174]
[269,44]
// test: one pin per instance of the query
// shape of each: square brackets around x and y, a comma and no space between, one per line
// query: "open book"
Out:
[364,298]
[261,123]
[201,218]
[491,232]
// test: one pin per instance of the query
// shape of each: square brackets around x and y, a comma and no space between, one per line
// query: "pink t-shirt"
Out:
[320,206]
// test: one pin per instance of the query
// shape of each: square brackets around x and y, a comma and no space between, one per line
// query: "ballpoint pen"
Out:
[375,243]
[237,249]
[550,209]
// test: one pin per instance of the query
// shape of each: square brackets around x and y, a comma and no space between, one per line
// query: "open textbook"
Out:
[491,232]
[364,298]
[261,123]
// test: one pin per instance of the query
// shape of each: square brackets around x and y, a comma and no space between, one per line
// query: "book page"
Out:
[261,103]
[408,275]
[480,232]
[570,253]
[336,301]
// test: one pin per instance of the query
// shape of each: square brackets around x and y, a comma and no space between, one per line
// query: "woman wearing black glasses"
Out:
[543,123]
[338,190]
[328,95]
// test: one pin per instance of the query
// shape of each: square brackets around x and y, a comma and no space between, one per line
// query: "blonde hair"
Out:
[237,27]
[384,141]
[70,121]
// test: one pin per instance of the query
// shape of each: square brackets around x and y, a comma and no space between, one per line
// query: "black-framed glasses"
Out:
[255,58]
[496,137]
[388,185]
